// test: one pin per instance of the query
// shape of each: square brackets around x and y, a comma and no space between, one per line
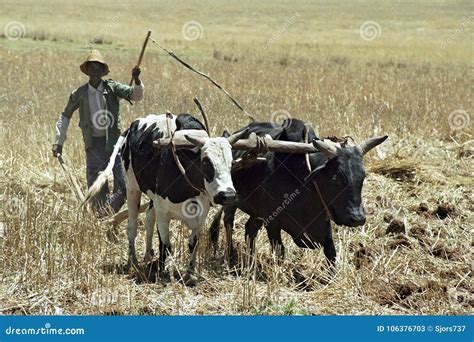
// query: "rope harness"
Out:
[249,158]
[262,146]
[326,208]
[181,168]
[343,142]
[175,156]
[308,166]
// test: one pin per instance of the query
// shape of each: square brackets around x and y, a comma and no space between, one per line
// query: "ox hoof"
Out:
[232,258]
[164,276]
[148,257]
[132,263]
[189,280]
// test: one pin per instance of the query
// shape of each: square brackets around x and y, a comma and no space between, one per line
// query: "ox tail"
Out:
[214,230]
[104,175]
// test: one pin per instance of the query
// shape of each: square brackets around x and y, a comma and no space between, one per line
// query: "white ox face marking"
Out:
[216,163]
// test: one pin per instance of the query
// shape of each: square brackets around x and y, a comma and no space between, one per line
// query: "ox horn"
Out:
[236,136]
[329,150]
[199,142]
[369,144]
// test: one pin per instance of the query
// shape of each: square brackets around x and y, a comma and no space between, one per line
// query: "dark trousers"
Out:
[96,161]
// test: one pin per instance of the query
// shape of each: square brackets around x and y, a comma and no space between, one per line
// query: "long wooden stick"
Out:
[123,215]
[306,140]
[71,178]
[203,113]
[142,52]
[187,65]
[243,144]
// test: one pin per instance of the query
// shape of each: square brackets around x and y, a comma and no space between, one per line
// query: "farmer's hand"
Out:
[57,150]
[136,74]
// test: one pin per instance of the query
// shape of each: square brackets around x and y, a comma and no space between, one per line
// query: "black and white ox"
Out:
[155,173]
[280,193]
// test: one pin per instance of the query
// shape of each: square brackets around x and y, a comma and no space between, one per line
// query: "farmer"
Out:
[99,120]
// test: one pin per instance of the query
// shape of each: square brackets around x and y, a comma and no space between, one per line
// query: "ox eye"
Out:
[207,169]
[337,178]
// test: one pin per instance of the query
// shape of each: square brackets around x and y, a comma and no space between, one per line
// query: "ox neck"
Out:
[320,195]
[189,167]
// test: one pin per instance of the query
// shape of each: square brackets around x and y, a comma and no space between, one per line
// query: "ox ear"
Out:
[199,142]
[329,150]
[236,136]
[369,144]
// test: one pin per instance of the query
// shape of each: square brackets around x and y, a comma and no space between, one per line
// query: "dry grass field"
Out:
[408,74]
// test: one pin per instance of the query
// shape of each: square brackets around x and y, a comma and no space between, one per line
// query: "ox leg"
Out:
[252,226]
[133,204]
[192,244]
[196,225]
[149,226]
[214,230]
[329,249]
[274,235]
[229,216]
[162,226]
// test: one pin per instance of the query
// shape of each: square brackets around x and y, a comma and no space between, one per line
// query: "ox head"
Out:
[216,163]
[341,178]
